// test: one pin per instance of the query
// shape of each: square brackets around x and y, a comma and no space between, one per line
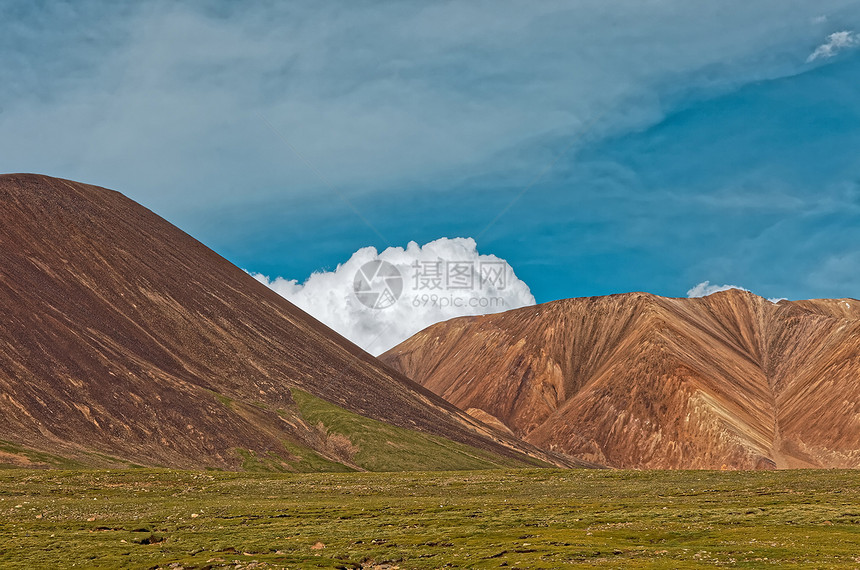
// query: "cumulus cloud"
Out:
[835,43]
[377,305]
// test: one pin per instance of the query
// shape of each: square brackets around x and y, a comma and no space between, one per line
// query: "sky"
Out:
[595,147]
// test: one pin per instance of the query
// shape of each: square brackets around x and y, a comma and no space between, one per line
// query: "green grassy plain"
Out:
[479,519]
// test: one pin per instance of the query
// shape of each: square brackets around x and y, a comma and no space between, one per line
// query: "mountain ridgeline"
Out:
[728,381]
[124,341]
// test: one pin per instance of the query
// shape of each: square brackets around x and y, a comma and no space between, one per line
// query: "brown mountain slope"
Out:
[123,337]
[726,381]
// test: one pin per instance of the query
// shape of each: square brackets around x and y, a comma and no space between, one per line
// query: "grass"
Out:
[336,440]
[312,462]
[376,446]
[13,455]
[479,519]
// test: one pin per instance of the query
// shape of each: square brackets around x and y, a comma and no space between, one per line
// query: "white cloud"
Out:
[469,284]
[835,43]
[705,288]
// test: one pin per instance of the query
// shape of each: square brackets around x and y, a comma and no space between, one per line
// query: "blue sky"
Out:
[631,145]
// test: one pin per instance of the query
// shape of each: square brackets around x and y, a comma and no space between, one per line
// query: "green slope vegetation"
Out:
[13,455]
[376,446]
[331,439]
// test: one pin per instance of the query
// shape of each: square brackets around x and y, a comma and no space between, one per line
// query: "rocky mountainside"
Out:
[731,380]
[124,340]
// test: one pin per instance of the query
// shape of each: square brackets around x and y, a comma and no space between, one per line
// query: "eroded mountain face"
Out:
[123,339]
[727,381]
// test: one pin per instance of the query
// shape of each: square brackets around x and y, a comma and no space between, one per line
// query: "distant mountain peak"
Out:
[731,380]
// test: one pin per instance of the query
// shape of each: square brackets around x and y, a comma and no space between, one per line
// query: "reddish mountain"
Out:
[726,381]
[125,340]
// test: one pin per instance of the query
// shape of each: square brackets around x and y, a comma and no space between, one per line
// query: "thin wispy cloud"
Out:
[164,99]
[706,288]
[836,42]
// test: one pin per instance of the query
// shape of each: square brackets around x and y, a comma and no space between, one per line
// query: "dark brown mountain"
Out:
[125,340]
[726,381]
